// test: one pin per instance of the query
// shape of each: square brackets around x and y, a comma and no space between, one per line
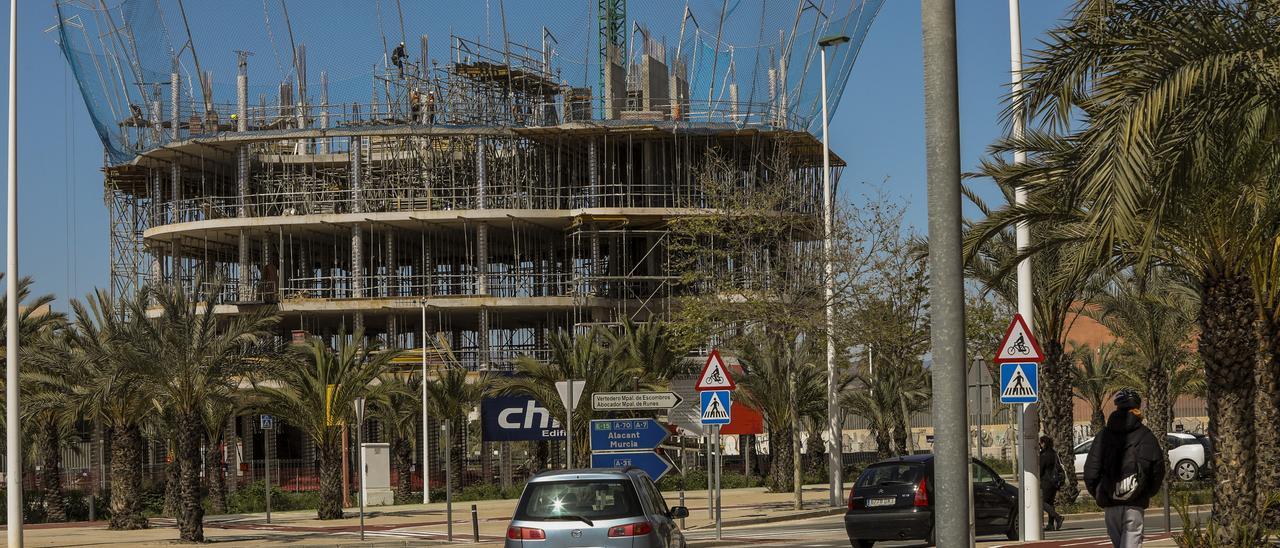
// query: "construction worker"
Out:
[415,105]
[431,107]
[398,57]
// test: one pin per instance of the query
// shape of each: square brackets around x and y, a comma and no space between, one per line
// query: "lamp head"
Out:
[833,40]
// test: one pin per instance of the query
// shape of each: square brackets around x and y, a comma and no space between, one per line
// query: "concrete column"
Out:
[481,174]
[245,281]
[482,259]
[389,264]
[482,334]
[175,112]
[157,117]
[357,175]
[357,262]
[593,173]
[596,259]
[242,91]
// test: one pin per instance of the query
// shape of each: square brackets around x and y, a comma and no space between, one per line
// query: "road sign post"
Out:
[570,391]
[267,423]
[1019,355]
[714,386]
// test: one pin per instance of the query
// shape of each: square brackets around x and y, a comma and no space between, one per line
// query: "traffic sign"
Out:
[715,376]
[652,463]
[1018,344]
[626,434]
[716,407]
[562,387]
[634,401]
[266,422]
[1019,383]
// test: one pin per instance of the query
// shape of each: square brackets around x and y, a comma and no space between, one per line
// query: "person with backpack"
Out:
[1052,478]
[1124,470]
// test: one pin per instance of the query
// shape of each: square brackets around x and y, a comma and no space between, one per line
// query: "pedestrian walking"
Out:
[1124,470]
[1052,478]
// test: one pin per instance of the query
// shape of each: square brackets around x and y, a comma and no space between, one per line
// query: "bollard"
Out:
[475,524]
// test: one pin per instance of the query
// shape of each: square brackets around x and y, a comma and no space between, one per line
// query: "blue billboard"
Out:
[517,418]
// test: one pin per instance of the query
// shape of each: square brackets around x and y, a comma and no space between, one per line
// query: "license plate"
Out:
[885,501]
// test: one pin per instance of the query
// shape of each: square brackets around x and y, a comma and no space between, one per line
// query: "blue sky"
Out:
[878,128]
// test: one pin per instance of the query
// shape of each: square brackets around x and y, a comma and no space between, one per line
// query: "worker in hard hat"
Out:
[398,57]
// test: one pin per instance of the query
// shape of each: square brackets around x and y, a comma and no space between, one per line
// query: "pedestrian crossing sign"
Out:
[1019,383]
[715,408]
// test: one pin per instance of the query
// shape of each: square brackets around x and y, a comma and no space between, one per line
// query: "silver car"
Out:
[594,508]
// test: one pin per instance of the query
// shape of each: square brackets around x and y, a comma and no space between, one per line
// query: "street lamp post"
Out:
[13,448]
[835,451]
[358,404]
[426,433]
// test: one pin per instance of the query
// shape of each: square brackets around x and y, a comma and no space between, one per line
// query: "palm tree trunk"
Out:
[1268,409]
[126,479]
[171,472]
[1159,408]
[55,502]
[330,480]
[1097,421]
[899,437]
[1057,409]
[780,460]
[1229,350]
[215,478]
[883,443]
[190,499]
[403,453]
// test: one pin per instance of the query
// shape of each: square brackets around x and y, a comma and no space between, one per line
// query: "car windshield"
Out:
[891,473]
[578,499]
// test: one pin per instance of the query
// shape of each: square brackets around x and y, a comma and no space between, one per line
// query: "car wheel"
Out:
[1012,532]
[1186,470]
[861,543]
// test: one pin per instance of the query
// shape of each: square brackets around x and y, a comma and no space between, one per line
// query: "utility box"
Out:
[376,487]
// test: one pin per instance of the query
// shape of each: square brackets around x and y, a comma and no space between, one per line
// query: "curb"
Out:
[804,514]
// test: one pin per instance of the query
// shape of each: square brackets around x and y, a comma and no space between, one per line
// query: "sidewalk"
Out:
[413,524]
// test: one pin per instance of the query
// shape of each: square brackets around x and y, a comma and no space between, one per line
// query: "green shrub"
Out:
[253,498]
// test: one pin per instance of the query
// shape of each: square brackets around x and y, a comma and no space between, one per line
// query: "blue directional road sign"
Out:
[1019,383]
[652,463]
[715,407]
[626,434]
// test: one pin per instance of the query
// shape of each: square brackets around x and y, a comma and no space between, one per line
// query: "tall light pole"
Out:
[835,450]
[426,433]
[13,449]
[946,269]
[1028,427]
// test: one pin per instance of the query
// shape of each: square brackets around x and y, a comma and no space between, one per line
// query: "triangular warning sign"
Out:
[715,410]
[715,376]
[1019,385]
[1018,344]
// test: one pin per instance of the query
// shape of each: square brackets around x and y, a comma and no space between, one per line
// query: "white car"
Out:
[1187,454]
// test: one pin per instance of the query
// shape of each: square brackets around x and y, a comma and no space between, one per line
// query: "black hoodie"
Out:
[1124,440]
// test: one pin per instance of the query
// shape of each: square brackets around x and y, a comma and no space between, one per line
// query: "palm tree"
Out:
[651,347]
[1095,380]
[49,413]
[1152,317]
[783,382]
[313,389]
[398,408]
[105,376]
[452,394]
[195,358]
[991,259]
[1174,164]
[33,314]
[887,399]
[218,411]
[592,356]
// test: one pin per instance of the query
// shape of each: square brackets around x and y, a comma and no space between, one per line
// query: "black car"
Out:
[893,500]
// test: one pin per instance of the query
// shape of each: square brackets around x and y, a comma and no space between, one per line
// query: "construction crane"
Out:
[613,18]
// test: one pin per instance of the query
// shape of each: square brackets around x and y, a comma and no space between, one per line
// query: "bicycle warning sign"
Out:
[715,376]
[1018,344]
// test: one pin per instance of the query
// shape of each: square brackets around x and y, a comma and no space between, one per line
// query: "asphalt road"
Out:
[828,532]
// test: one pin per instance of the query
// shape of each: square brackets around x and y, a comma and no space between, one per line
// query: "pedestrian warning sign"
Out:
[1019,383]
[715,376]
[1018,344]
[716,407]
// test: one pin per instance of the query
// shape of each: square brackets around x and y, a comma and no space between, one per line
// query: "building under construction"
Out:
[484,199]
